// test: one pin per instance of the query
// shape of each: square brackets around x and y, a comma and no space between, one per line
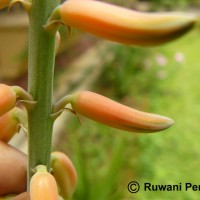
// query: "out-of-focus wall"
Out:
[13,44]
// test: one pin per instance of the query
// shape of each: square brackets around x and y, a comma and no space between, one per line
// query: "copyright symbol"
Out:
[133,187]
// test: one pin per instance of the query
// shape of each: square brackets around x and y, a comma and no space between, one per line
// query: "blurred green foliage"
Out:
[171,157]
[162,80]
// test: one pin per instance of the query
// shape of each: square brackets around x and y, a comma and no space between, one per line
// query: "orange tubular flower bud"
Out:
[4,3]
[43,185]
[111,113]
[121,24]
[7,98]
[65,174]
[8,126]
[9,123]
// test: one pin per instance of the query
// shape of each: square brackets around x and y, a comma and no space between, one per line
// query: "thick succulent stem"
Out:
[40,83]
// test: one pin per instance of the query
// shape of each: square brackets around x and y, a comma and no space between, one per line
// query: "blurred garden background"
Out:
[162,80]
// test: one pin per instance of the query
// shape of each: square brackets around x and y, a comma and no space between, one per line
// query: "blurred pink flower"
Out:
[179,57]
[161,60]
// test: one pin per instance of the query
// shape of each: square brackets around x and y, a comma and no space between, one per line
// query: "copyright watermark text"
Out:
[134,187]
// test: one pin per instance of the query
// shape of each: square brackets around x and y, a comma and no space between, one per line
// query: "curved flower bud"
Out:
[4,3]
[111,113]
[10,123]
[9,96]
[43,185]
[121,24]
[65,174]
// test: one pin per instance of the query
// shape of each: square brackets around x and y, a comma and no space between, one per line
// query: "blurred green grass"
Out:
[173,155]
[107,159]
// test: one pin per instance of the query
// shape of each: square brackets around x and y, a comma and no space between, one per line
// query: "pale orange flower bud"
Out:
[43,185]
[111,113]
[121,24]
[7,98]
[9,124]
[65,174]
